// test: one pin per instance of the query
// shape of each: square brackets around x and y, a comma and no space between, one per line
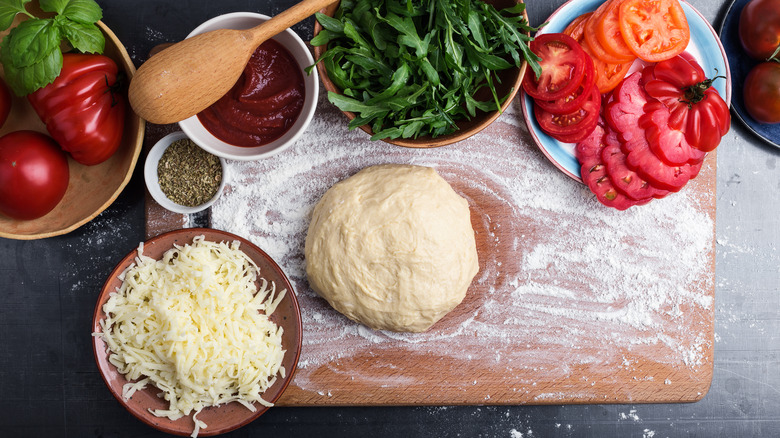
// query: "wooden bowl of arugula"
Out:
[416,90]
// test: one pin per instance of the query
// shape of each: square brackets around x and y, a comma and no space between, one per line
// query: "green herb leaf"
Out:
[25,80]
[31,41]
[86,38]
[411,68]
[31,53]
[8,11]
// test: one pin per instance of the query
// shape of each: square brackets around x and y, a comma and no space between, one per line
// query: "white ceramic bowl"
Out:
[290,40]
[153,183]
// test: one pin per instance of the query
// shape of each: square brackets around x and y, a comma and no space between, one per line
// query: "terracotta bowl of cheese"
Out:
[92,188]
[226,417]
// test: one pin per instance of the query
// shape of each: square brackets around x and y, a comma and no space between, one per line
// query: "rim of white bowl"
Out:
[153,183]
[197,133]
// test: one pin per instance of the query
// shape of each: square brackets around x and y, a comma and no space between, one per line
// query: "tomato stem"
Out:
[774,57]
[695,93]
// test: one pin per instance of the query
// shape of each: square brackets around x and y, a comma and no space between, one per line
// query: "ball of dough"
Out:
[392,247]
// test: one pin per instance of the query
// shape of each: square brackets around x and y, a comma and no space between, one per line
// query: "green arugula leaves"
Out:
[31,53]
[410,68]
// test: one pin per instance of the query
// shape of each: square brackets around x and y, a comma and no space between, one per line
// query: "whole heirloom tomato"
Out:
[33,174]
[762,92]
[696,109]
[759,28]
[82,109]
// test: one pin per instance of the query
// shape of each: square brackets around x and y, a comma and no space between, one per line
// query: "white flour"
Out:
[564,281]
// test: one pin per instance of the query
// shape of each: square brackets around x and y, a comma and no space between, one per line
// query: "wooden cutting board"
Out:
[574,302]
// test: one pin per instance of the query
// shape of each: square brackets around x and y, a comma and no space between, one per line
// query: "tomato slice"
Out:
[609,34]
[563,66]
[572,127]
[655,30]
[576,28]
[641,159]
[669,145]
[591,36]
[627,105]
[573,101]
[608,76]
[594,173]
[624,179]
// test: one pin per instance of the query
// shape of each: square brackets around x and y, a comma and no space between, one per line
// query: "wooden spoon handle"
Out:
[287,18]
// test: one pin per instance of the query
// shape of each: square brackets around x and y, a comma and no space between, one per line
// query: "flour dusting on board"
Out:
[564,282]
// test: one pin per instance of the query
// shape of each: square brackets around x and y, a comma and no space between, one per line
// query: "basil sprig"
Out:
[410,68]
[31,53]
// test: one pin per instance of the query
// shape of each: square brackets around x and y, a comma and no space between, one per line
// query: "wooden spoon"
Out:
[190,75]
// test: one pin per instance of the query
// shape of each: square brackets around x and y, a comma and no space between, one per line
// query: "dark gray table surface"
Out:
[49,384]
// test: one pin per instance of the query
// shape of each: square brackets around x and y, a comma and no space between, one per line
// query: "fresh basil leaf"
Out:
[83,11]
[8,11]
[56,6]
[31,41]
[25,80]
[86,38]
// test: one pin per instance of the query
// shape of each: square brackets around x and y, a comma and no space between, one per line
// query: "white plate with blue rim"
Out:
[705,46]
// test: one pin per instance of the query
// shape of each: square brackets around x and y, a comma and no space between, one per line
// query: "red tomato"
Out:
[697,110]
[641,159]
[654,30]
[33,174]
[625,180]
[594,172]
[575,100]
[563,66]
[759,28]
[762,92]
[82,110]
[667,144]
[5,102]
[627,105]
[609,34]
[573,127]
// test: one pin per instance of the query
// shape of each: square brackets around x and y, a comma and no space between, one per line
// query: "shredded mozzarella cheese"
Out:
[195,325]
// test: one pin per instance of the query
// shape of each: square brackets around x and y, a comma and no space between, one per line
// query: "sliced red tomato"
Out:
[609,34]
[597,49]
[669,145]
[573,101]
[641,159]
[696,109]
[594,173]
[607,75]
[627,105]
[655,30]
[572,127]
[576,28]
[563,66]
[624,179]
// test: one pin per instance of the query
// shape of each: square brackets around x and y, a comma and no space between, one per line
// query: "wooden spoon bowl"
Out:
[510,82]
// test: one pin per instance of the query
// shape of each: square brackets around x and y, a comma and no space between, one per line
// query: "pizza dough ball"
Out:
[392,247]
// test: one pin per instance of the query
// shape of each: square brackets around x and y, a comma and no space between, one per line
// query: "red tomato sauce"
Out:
[263,104]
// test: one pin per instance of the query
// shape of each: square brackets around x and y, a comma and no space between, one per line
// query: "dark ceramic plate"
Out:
[740,66]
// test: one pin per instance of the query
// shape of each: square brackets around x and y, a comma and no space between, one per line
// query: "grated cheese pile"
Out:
[195,325]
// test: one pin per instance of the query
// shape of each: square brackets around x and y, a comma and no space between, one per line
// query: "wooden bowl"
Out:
[511,80]
[222,418]
[92,188]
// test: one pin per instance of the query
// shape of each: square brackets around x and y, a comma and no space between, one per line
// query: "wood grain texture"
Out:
[551,357]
